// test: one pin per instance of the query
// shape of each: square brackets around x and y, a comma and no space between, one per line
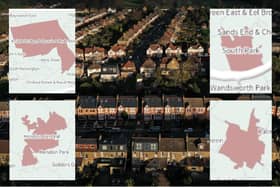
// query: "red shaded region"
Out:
[241,62]
[28,158]
[54,123]
[36,145]
[243,146]
[49,30]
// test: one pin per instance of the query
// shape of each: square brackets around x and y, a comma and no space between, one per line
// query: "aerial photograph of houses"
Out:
[142,92]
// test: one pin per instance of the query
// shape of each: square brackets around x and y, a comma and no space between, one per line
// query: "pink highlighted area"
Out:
[44,138]
[40,38]
[243,146]
[241,61]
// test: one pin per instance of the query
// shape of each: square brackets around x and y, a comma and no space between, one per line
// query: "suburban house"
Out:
[198,147]
[194,108]
[163,65]
[99,53]
[88,53]
[172,67]
[86,107]
[173,149]
[127,69]
[86,151]
[80,54]
[109,72]
[195,49]
[276,106]
[128,105]
[152,108]
[94,70]
[107,108]
[144,149]
[154,50]
[79,69]
[117,51]
[275,152]
[148,68]
[4,152]
[113,145]
[173,50]
[4,111]
[174,108]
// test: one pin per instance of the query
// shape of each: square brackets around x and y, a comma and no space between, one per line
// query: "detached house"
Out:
[148,68]
[152,108]
[80,54]
[99,53]
[88,53]
[79,69]
[117,51]
[194,108]
[86,107]
[173,107]
[127,69]
[173,50]
[4,111]
[170,67]
[129,105]
[94,70]
[107,108]
[155,50]
[195,49]
[109,72]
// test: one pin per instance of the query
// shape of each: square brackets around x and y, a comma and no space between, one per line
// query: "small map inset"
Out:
[240,50]
[41,44]
[42,140]
[240,140]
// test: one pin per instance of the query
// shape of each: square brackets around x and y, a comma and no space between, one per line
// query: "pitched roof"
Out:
[152,101]
[107,101]
[114,139]
[4,105]
[87,102]
[117,47]
[154,46]
[128,101]
[165,60]
[194,101]
[94,66]
[149,63]
[98,49]
[4,146]
[173,101]
[128,64]
[83,140]
[172,144]
[79,50]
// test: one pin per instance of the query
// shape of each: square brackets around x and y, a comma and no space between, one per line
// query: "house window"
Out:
[121,147]
[138,146]
[153,146]
[104,147]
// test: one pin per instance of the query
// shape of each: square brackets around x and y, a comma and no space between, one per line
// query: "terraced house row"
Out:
[153,151]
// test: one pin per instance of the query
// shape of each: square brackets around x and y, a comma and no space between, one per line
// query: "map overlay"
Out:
[240,140]
[42,140]
[240,52]
[41,44]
